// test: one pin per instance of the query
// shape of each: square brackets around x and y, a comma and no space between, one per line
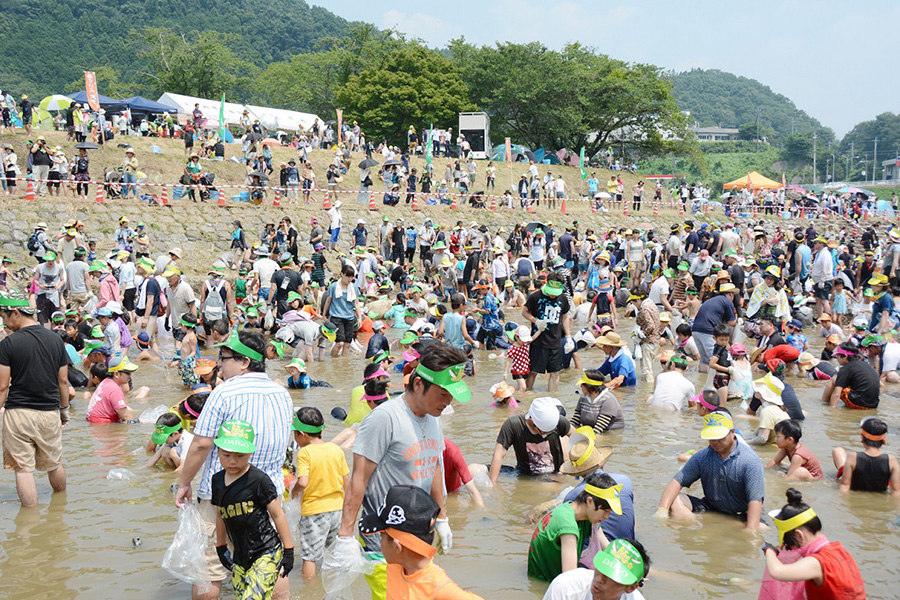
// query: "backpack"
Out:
[214,307]
[33,244]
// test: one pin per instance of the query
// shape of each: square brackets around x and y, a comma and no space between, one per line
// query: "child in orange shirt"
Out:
[406,522]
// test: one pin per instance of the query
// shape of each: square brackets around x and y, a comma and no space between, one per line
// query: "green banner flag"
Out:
[583,171]
[429,146]
[222,118]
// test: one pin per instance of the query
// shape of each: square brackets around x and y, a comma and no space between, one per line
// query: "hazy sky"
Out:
[822,55]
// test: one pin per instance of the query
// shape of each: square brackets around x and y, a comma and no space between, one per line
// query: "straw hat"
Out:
[584,457]
[611,339]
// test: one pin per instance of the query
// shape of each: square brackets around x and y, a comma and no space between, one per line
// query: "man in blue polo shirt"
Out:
[731,475]
[718,309]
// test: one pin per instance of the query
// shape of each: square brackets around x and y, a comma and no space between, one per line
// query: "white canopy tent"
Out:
[270,118]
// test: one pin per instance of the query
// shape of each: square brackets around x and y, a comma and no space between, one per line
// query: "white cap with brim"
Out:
[769,389]
[544,413]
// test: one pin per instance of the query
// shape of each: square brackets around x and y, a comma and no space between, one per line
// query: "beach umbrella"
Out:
[271,141]
[86,146]
[253,136]
[55,102]
[368,163]
[262,176]
[602,196]
[392,162]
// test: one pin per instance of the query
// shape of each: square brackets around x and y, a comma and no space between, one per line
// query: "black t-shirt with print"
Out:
[535,455]
[552,310]
[243,508]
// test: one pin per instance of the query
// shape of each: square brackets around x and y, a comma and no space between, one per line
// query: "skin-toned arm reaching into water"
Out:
[353,497]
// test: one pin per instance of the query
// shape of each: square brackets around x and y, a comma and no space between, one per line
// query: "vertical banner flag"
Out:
[749,183]
[581,161]
[508,152]
[429,146]
[90,87]
[783,181]
[340,124]
[222,118]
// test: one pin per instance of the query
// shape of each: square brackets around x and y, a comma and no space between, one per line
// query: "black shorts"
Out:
[545,360]
[702,505]
[346,329]
[128,298]
[824,292]
[525,376]
[177,332]
[44,307]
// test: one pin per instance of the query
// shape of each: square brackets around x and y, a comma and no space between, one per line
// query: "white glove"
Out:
[569,345]
[442,528]
[541,324]
[477,345]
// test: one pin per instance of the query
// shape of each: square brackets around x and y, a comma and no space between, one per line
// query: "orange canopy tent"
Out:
[756,180]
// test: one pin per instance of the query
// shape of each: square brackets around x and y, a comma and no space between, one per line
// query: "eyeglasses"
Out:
[223,358]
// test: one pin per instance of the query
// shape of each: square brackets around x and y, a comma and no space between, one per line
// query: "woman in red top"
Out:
[828,571]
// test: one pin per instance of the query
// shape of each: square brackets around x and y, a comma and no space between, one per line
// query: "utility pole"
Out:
[815,174]
[757,129]
[875,160]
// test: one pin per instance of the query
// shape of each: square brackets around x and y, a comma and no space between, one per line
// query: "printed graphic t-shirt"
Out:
[535,455]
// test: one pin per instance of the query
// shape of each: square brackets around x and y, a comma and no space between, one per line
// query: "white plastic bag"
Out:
[292,514]
[269,320]
[344,561]
[186,557]
[152,414]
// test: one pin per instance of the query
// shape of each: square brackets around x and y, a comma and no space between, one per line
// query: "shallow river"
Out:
[80,544]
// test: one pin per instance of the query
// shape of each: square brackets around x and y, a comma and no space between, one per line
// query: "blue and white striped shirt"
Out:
[261,402]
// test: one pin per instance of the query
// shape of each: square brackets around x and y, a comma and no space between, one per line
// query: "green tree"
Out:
[414,86]
[310,81]
[798,149]
[195,64]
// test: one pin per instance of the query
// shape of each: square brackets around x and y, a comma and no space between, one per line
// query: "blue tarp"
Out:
[140,104]
[105,101]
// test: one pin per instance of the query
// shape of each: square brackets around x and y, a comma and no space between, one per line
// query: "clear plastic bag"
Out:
[186,556]
[150,415]
[344,561]
[292,514]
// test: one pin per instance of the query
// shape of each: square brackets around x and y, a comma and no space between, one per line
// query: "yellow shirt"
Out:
[185,421]
[359,408]
[325,466]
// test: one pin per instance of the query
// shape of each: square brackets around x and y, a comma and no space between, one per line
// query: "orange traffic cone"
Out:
[277,201]
[99,193]
[453,204]
[415,202]
[802,212]
[594,203]
[564,205]
[326,204]
[493,202]
[655,209]
[865,215]
[755,211]
[222,199]
[29,190]
[706,209]
[626,208]
[164,198]
[372,202]
[528,206]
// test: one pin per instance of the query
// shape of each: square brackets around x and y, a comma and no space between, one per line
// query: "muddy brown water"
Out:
[79,544]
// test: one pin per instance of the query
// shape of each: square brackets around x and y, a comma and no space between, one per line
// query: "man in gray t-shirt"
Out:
[77,280]
[401,443]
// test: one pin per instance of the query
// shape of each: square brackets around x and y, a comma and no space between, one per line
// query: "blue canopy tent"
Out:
[105,101]
[519,152]
[885,205]
[143,105]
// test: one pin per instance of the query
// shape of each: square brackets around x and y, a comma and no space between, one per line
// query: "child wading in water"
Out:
[248,506]
[804,466]
[186,357]
[322,479]
[720,361]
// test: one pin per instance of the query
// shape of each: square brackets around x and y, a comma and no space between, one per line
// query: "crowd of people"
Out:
[695,306]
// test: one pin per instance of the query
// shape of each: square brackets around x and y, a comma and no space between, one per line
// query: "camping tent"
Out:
[143,105]
[755,179]
[105,101]
[519,153]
